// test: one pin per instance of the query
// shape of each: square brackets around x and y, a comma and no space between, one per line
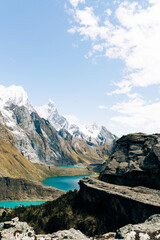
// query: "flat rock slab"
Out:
[116,206]
[139,194]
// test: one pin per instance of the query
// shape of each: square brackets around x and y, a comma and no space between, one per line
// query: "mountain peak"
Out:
[14,95]
[50,102]
[46,110]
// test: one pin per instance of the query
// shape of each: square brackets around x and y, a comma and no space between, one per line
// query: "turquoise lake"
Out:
[65,183]
[13,204]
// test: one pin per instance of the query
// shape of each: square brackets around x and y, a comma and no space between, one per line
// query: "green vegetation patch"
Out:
[68,211]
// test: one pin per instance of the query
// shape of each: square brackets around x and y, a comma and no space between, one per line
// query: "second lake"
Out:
[65,183]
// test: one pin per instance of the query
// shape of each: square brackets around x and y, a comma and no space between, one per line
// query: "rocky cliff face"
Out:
[119,205]
[13,189]
[135,161]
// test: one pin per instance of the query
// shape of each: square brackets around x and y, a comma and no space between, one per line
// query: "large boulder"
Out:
[150,229]
[135,161]
[16,230]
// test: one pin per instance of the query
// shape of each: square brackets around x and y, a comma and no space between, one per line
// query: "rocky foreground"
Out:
[16,230]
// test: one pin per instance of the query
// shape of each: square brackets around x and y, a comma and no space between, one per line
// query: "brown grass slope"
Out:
[12,162]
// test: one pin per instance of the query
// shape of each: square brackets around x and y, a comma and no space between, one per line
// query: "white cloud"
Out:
[124,87]
[133,38]
[137,115]
[102,107]
[86,17]
[76,2]
[109,12]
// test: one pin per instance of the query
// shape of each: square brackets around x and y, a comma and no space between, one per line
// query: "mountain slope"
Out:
[49,140]
[18,189]
[12,163]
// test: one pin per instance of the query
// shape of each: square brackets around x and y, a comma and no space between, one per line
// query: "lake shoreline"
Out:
[56,171]
[67,183]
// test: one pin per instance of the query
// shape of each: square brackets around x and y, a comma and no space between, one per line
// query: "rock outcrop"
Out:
[119,205]
[23,190]
[135,161]
[148,230]
[16,230]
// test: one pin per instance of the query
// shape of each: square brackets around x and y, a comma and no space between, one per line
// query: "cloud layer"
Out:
[130,33]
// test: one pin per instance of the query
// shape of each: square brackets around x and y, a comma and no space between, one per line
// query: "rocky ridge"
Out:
[90,133]
[13,189]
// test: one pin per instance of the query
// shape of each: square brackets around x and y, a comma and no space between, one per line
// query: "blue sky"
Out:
[97,60]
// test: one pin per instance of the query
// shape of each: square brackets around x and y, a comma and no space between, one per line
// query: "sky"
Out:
[98,60]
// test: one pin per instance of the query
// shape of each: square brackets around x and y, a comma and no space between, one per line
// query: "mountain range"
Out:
[43,136]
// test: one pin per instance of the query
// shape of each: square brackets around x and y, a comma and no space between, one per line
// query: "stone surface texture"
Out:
[135,161]
[119,204]
[16,230]
[150,229]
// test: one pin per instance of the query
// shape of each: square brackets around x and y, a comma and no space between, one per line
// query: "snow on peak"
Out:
[47,110]
[14,95]
[91,130]
[50,103]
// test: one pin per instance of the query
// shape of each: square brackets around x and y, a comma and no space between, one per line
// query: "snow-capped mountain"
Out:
[49,112]
[43,136]
[91,133]
[14,96]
